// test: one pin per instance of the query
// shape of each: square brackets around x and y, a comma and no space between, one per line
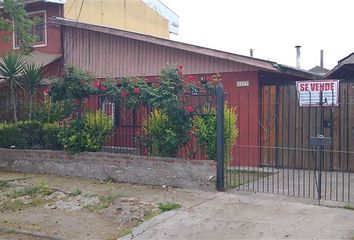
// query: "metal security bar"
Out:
[294,150]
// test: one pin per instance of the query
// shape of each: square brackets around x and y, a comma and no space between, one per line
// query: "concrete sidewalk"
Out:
[249,216]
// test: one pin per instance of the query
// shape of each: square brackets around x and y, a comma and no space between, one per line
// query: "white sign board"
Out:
[309,92]
[242,83]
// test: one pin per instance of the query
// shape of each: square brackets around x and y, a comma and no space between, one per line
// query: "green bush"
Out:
[9,135]
[71,137]
[87,134]
[96,127]
[167,133]
[29,135]
[49,111]
[205,130]
[50,136]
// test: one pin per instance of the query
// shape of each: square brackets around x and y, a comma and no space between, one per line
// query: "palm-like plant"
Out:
[32,77]
[11,66]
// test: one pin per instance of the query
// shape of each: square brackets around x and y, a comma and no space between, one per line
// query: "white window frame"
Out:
[111,106]
[45,31]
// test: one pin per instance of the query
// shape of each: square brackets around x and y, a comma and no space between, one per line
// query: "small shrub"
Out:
[70,136]
[164,207]
[23,134]
[205,130]
[43,187]
[50,112]
[29,135]
[87,134]
[50,136]
[96,127]
[167,131]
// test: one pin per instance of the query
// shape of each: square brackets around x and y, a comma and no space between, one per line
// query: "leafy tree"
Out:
[11,66]
[13,18]
[32,79]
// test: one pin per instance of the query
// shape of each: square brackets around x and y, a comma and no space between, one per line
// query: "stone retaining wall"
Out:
[172,172]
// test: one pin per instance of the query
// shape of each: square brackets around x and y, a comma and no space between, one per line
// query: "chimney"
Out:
[298,56]
[321,59]
[251,52]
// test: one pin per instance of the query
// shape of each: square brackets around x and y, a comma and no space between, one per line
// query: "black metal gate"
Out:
[305,152]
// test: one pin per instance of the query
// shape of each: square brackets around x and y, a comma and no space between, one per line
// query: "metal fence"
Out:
[130,125]
[126,136]
[302,151]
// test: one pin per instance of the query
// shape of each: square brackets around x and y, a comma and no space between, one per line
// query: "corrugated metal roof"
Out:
[260,63]
[348,60]
[269,65]
[38,58]
[41,58]
[319,70]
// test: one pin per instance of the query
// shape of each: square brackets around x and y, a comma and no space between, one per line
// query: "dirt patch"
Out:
[73,208]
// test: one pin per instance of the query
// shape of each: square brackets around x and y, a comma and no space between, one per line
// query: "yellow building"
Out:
[131,15]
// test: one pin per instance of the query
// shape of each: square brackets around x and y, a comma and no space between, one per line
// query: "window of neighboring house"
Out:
[38,30]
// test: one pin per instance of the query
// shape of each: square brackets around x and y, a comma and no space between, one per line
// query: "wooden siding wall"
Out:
[107,55]
[289,145]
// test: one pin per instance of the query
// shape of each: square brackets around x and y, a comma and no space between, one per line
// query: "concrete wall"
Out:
[132,15]
[124,168]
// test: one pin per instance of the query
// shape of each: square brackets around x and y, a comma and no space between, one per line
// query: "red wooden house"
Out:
[111,52]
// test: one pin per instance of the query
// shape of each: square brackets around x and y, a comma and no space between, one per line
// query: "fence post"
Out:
[220,137]
[79,118]
[320,150]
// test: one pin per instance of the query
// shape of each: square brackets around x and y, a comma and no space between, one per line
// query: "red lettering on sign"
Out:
[302,87]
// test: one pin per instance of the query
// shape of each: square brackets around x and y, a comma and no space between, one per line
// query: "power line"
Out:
[82,4]
[70,8]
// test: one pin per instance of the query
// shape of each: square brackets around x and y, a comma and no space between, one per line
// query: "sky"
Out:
[271,27]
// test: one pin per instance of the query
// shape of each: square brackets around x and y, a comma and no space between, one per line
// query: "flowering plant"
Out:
[75,84]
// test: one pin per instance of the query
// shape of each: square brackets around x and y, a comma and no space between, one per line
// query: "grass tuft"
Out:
[12,205]
[164,207]
[44,188]
[109,179]
[27,191]
[3,184]
[41,188]
[349,207]
[105,202]
[75,193]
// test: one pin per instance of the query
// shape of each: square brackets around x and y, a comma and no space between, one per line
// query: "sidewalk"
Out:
[250,216]
[204,215]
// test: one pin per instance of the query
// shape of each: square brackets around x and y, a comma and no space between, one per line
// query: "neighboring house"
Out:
[344,69]
[114,52]
[319,70]
[149,17]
